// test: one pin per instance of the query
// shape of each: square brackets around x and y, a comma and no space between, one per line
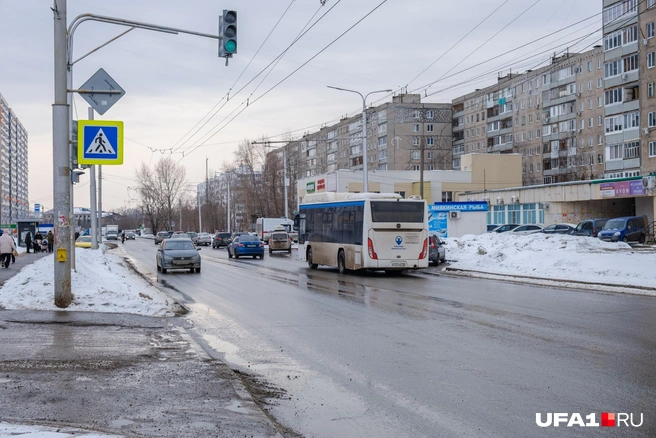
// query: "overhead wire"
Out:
[264,69]
[293,72]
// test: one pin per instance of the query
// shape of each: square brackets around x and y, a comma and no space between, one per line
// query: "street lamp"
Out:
[365,177]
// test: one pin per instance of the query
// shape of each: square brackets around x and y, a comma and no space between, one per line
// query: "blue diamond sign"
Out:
[100,142]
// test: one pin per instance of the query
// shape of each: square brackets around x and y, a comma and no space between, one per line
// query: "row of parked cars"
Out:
[625,229]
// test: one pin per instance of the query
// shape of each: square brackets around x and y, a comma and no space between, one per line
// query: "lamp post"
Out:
[365,176]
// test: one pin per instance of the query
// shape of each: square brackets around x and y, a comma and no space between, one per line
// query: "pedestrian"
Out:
[51,240]
[28,241]
[7,248]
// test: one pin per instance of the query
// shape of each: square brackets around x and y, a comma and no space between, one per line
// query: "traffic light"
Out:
[228,33]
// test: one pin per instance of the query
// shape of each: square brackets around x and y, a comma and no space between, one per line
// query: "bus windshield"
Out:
[386,211]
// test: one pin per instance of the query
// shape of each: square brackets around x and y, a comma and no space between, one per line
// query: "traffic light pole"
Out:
[61,119]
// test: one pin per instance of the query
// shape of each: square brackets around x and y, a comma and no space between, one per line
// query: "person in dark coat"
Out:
[51,240]
[38,237]
[28,241]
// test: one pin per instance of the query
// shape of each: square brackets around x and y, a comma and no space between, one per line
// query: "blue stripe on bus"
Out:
[332,204]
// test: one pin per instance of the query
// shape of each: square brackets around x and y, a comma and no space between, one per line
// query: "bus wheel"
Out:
[341,263]
[309,259]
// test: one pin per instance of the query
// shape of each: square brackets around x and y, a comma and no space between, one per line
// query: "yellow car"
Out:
[83,242]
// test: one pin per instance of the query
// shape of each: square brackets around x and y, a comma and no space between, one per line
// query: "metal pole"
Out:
[71,158]
[99,205]
[228,205]
[284,163]
[61,162]
[180,203]
[421,170]
[92,200]
[365,177]
[200,220]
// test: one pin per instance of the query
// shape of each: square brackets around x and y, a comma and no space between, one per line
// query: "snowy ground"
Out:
[27,431]
[556,257]
[102,282]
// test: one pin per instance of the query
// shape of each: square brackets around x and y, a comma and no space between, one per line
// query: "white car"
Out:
[526,229]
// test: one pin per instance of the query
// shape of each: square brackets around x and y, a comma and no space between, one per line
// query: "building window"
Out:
[537,133]
[590,141]
[590,122]
[447,196]
[600,139]
[651,3]
[650,60]
[600,121]
[650,88]
[415,141]
[652,147]
[600,158]
[415,128]
[429,114]
[415,155]
[650,30]
[430,141]
[600,82]
[651,119]
[430,128]
[415,167]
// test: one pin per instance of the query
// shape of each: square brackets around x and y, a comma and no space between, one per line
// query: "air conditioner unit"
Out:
[454,215]
[577,94]
[514,199]
[648,182]
[537,105]
[578,113]
[645,131]
[644,42]
[499,200]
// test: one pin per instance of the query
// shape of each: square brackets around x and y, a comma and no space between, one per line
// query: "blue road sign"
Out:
[100,142]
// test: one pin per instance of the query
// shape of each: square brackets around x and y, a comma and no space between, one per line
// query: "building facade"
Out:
[14,200]
[397,133]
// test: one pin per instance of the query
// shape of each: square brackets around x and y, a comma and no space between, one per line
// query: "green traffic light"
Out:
[230,46]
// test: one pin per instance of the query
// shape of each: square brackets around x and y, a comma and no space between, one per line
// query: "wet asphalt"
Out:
[124,374]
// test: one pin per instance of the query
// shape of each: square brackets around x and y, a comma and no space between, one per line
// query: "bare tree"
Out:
[161,190]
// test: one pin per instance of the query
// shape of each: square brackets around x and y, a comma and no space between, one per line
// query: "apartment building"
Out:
[14,201]
[552,116]
[396,134]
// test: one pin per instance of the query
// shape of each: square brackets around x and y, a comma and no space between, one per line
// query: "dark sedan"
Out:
[246,245]
[177,254]
[161,236]
[505,228]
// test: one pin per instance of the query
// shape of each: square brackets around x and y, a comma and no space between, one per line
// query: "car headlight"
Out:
[617,234]
[166,258]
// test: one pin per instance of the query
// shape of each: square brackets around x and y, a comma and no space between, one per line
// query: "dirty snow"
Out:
[102,282]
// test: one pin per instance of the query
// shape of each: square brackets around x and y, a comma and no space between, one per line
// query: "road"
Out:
[368,355]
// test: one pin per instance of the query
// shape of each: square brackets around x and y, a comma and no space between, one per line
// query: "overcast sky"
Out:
[173,82]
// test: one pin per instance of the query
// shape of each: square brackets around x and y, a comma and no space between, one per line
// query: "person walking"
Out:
[28,241]
[7,248]
[38,238]
[51,240]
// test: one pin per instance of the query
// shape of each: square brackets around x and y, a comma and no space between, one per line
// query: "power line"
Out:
[293,72]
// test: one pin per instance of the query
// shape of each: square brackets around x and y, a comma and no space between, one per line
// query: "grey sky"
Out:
[172,81]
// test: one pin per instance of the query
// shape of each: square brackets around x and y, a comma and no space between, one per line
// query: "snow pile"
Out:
[102,283]
[555,256]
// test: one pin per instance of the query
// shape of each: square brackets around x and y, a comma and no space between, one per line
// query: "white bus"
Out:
[376,231]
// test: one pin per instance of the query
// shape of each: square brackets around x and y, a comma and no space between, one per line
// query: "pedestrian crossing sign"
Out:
[100,142]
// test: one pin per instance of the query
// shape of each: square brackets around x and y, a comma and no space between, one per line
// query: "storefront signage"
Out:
[459,206]
[309,187]
[621,188]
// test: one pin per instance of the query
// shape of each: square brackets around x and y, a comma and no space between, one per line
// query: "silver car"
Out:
[203,239]
[177,254]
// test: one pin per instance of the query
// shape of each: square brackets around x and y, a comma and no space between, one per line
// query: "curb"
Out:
[458,271]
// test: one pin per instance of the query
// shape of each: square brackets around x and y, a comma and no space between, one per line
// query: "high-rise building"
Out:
[14,201]
[552,116]
[397,132]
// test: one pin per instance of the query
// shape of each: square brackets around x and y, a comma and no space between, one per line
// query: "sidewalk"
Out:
[122,374]
[23,259]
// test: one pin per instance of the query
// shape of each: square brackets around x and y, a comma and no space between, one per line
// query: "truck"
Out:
[111,232]
[265,225]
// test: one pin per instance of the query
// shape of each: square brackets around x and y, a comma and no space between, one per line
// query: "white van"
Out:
[264,226]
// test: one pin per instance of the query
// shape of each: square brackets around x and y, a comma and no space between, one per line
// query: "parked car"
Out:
[203,239]
[626,229]
[436,251]
[246,245]
[129,235]
[177,254]
[491,227]
[221,239]
[505,228]
[526,229]
[589,227]
[161,236]
[83,242]
[279,240]
[558,229]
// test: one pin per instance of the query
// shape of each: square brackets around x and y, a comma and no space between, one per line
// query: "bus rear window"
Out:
[396,211]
